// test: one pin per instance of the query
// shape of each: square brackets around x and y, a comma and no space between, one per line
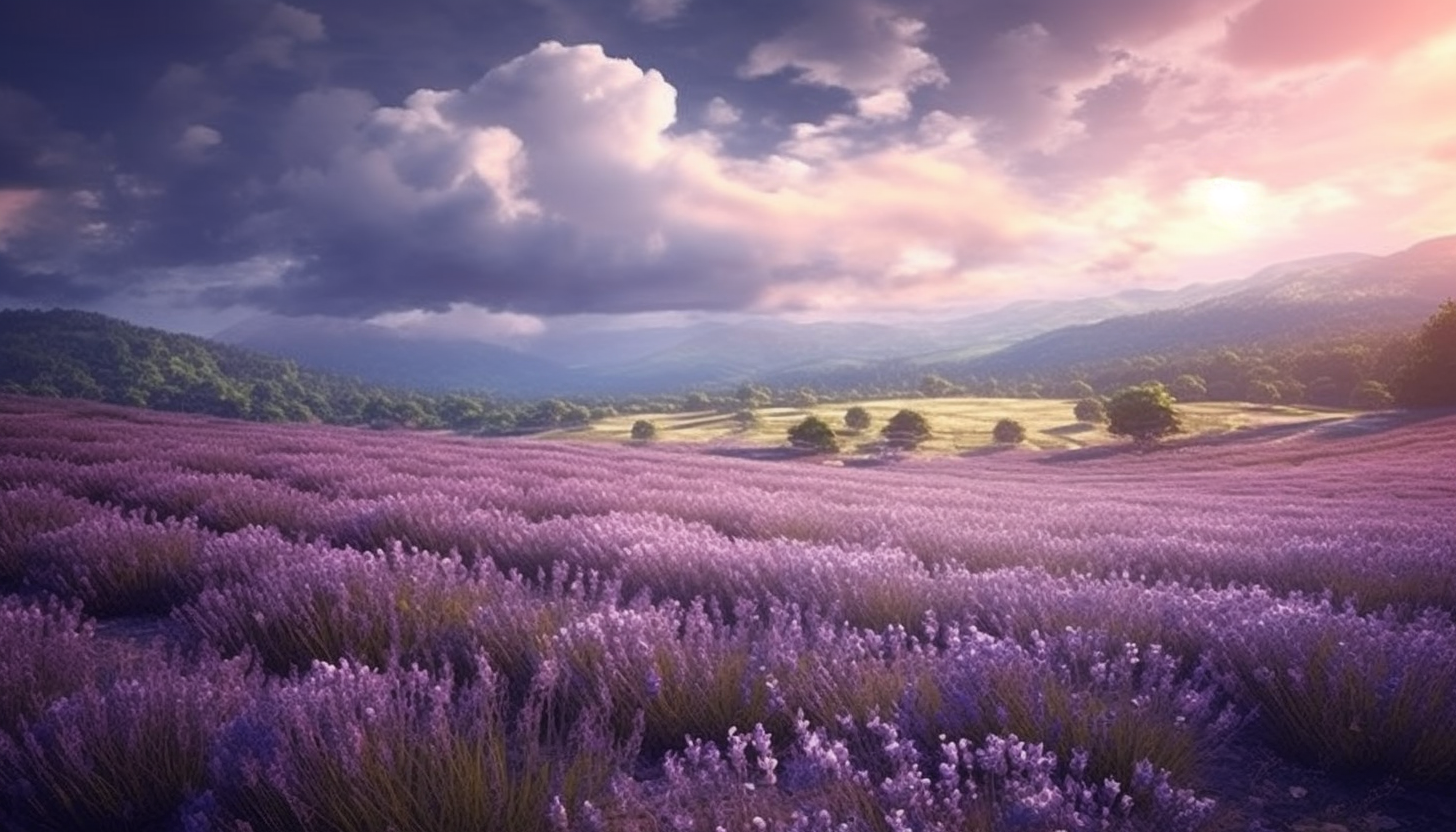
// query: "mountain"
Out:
[1320,298]
[384,356]
[716,354]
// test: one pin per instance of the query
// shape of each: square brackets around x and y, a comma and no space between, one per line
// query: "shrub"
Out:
[814,434]
[347,748]
[29,511]
[857,418]
[125,757]
[116,565]
[316,603]
[906,429]
[1090,410]
[45,652]
[1144,413]
[643,430]
[1008,432]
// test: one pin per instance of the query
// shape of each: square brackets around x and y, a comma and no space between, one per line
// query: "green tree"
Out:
[1080,389]
[1145,413]
[857,418]
[814,434]
[697,400]
[1090,410]
[1008,432]
[906,429]
[1428,378]
[643,430]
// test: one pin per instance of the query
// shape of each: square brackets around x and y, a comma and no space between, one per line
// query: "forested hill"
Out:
[91,356]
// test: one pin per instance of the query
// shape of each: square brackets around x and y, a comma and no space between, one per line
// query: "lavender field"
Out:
[219,625]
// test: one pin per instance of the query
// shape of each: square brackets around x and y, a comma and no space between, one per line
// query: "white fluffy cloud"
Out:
[556,184]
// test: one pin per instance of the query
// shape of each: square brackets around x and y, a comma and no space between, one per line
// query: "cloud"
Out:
[719,113]
[279,32]
[1275,34]
[196,141]
[658,11]
[556,185]
[860,46]
[462,320]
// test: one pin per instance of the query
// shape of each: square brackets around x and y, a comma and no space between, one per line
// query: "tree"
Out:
[1370,395]
[1189,388]
[643,430]
[1008,432]
[1090,410]
[857,418]
[746,418]
[906,429]
[752,395]
[814,434]
[1428,377]
[1145,413]
[1262,392]
[933,386]
[697,400]
[1080,389]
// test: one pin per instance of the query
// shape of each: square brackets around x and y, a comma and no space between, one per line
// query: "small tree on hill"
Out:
[1090,410]
[1008,432]
[906,430]
[814,434]
[746,418]
[1428,378]
[857,418]
[1144,413]
[643,430]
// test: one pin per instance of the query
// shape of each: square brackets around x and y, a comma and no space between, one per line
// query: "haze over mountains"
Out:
[1332,295]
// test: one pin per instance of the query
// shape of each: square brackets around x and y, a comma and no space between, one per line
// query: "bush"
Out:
[1144,413]
[643,430]
[814,434]
[906,429]
[1089,410]
[1008,432]
[857,418]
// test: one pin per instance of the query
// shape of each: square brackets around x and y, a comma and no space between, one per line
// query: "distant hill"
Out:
[1314,299]
[383,356]
[84,355]
[723,354]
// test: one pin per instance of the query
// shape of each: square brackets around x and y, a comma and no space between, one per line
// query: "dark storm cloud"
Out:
[365,156]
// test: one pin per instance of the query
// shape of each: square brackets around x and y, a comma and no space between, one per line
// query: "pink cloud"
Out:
[1288,33]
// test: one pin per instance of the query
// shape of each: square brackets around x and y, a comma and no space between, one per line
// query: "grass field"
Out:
[959,424]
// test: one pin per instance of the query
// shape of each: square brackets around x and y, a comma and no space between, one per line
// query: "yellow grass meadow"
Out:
[959,425]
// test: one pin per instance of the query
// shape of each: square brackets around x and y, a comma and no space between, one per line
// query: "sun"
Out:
[1226,199]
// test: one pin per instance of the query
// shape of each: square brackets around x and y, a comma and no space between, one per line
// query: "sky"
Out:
[495,168]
